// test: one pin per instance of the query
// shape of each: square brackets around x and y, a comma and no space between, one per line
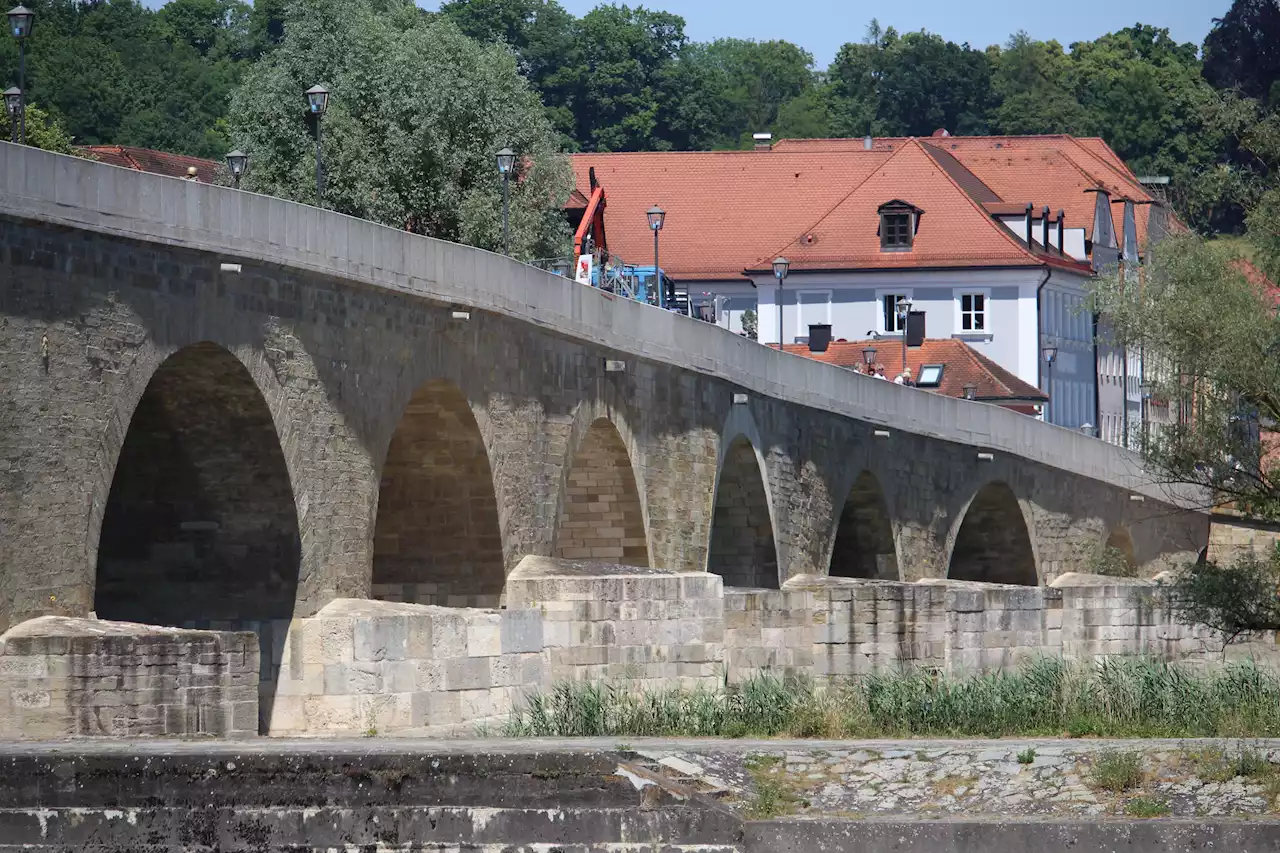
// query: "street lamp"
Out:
[237,162]
[970,391]
[20,21]
[317,103]
[656,217]
[506,162]
[1050,353]
[13,103]
[781,266]
[868,356]
[903,309]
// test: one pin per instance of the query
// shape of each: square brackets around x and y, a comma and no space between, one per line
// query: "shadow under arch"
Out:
[437,537]
[601,514]
[200,527]
[1121,543]
[993,543]
[863,546]
[742,547]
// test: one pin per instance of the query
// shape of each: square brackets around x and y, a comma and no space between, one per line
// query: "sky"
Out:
[821,26]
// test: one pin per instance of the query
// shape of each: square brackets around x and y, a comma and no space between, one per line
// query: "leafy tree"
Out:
[416,113]
[748,83]
[1242,51]
[1208,328]
[1031,80]
[1234,600]
[44,131]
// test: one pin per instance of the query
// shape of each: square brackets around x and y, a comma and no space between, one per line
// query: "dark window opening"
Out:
[895,232]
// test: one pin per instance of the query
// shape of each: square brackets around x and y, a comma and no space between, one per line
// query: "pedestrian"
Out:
[880,372]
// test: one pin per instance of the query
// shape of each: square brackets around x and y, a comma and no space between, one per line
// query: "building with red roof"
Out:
[155,162]
[990,241]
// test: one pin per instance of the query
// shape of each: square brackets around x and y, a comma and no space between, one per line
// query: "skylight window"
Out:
[930,375]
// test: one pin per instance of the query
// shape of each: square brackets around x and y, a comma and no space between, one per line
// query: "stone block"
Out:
[380,638]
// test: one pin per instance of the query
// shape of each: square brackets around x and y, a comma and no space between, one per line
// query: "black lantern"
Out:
[317,100]
[656,217]
[506,161]
[13,100]
[20,20]
[1050,354]
[237,162]
[869,356]
[970,391]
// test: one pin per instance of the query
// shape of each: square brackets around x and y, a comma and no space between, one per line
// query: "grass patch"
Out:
[775,794]
[948,785]
[1114,697]
[1146,807]
[1217,765]
[1027,756]
[1117,771]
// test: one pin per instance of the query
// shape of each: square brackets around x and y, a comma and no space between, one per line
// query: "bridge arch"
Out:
[1119,547]
[601,515]
[863,546]
[437,537]
[742,547]
[200,522]
[992,541]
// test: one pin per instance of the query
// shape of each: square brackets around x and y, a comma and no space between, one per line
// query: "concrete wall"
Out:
[81,677]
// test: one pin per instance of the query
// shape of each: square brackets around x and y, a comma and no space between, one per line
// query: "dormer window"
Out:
[899,222]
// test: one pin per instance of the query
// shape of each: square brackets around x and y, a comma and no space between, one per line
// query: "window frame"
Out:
[910,216]
[983,334]
[941,368]
[902,293]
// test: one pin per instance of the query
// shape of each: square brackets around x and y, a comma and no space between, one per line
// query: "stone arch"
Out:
[743,549]
[1120,542]
[200,523]
[437,538]
[863,546]
[993,542]
[601,516]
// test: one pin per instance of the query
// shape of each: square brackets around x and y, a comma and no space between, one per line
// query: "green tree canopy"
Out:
[416,114]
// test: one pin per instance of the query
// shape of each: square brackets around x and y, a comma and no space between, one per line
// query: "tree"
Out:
[1206,323]
[45,132]
[1242,51]
[1234,600]
[1032,82]
[416,113]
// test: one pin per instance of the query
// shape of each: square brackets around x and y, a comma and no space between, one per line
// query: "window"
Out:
[973,312]
[889,311]
[930,375]
[895,232]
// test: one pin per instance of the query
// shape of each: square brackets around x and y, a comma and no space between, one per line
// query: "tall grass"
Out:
[1115,697]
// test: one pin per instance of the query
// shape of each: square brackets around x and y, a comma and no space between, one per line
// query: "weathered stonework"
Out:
[64,677]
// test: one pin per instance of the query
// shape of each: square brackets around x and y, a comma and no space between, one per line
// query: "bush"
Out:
[1233,601]
[1117,771]
[1114,697]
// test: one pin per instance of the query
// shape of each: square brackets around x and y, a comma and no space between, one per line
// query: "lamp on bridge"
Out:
[237,162]
[317,103]
[781,266]
[13,103]
[970,391]
[1050,353]
[869,356]
[506,163]
[903,310]
[21,20]
[657,216]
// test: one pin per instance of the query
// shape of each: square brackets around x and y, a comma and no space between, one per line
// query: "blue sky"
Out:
[821,26]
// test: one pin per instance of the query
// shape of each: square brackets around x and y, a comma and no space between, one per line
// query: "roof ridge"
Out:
[1105,165]
[839,202]
[1004,232]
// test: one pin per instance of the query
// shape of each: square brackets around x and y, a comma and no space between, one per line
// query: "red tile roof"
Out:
[723,208]
[953,231]
[964,365]
[156,162]
[816,200]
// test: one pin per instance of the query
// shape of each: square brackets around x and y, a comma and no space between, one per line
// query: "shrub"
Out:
[1117,771]
[1233,601]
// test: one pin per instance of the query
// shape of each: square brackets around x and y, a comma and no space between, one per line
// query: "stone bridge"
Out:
[223,407]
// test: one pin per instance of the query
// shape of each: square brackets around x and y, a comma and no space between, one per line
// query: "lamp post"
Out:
[13,103]
[237,162]
[868,357]
[1147,387]
[904,311]
[656,217]
[1050,353]
[781,266]
[20,20]
[317,103]
[506,162]
[970,391]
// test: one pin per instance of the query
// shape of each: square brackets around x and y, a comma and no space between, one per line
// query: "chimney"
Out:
[868,143]
[763,141]
[1044,228]
[1062,215]
[1031,215]
[819,337]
